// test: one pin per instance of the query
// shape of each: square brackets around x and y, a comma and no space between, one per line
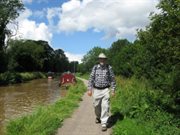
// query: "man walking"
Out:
[101,79]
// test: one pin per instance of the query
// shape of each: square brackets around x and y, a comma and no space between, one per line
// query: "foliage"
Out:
[142,110]
[73,66]
[46,120]
[10,78]
[61,62]
[131,127]
[90,59]
[115,49]
[9,11]
[30,55]
[158,60]
[119,57]
[47,56]
[24,55]
[14,77]
[30,76]
[84,76]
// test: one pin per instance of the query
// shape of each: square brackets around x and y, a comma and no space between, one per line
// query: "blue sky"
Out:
[76,26]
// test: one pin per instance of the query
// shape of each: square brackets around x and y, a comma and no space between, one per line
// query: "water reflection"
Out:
[19,99]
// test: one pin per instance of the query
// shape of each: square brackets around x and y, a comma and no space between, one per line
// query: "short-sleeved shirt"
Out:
[101,77]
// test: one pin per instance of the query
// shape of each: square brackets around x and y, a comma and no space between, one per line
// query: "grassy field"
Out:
[45,120]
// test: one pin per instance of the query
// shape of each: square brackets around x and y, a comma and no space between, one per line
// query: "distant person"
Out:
[101,78]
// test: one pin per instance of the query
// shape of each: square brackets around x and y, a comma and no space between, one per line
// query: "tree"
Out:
[161,50]
[73,65]
[9,11]
[25,55]
[47,56]
[60,61]
[115,56]
[30,55]
[90,59]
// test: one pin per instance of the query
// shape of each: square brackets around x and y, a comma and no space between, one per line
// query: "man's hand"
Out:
[112,93]
[89,93]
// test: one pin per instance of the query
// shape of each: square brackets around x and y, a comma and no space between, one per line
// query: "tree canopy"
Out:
[9,11]
[91,58]
[30,55]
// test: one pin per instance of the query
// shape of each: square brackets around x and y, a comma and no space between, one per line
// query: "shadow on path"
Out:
[114,118]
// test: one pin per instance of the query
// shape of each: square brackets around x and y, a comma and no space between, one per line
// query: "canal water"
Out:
[21,99]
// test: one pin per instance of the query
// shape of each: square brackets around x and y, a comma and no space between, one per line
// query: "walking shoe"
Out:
[98,120]
[104,127]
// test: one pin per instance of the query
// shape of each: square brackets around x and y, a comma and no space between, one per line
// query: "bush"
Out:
[144,109]
[13,77]
[10,78]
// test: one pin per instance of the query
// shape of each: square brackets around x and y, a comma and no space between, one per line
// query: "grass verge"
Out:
[46,119]
[142,109]
[85,76]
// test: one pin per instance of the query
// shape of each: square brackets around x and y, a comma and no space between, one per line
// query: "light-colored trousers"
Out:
[101,101]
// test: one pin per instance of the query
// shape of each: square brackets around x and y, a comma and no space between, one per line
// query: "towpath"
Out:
[82,121]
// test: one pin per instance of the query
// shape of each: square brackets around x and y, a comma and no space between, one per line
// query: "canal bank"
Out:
[19,77]
[20,99]
[46,119]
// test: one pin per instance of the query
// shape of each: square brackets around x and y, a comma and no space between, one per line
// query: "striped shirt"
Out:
[101,77]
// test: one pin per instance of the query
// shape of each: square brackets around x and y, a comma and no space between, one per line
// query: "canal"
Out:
[21,99]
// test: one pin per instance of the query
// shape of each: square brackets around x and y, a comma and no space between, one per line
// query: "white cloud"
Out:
[29,29]
[40,13]
[117,18]
[71,5]
[51,14]
[74,57]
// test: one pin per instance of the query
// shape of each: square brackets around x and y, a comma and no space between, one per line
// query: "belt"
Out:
[100,88]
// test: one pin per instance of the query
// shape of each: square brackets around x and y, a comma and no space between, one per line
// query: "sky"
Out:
[76,26]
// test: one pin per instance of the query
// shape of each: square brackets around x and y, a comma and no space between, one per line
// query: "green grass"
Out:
[47,119]
[142,108]
[85,76]
[130,127]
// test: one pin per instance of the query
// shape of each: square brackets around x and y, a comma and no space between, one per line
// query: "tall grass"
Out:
[143,110]
[47,119]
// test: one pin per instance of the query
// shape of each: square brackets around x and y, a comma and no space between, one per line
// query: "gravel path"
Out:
[82,122]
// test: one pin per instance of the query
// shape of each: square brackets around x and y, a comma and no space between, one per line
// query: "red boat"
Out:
[66,79]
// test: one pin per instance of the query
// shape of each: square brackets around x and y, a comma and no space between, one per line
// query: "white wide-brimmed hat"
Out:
[102,56]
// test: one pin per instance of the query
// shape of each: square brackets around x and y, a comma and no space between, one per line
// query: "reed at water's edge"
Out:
[16,77]
[47,119]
